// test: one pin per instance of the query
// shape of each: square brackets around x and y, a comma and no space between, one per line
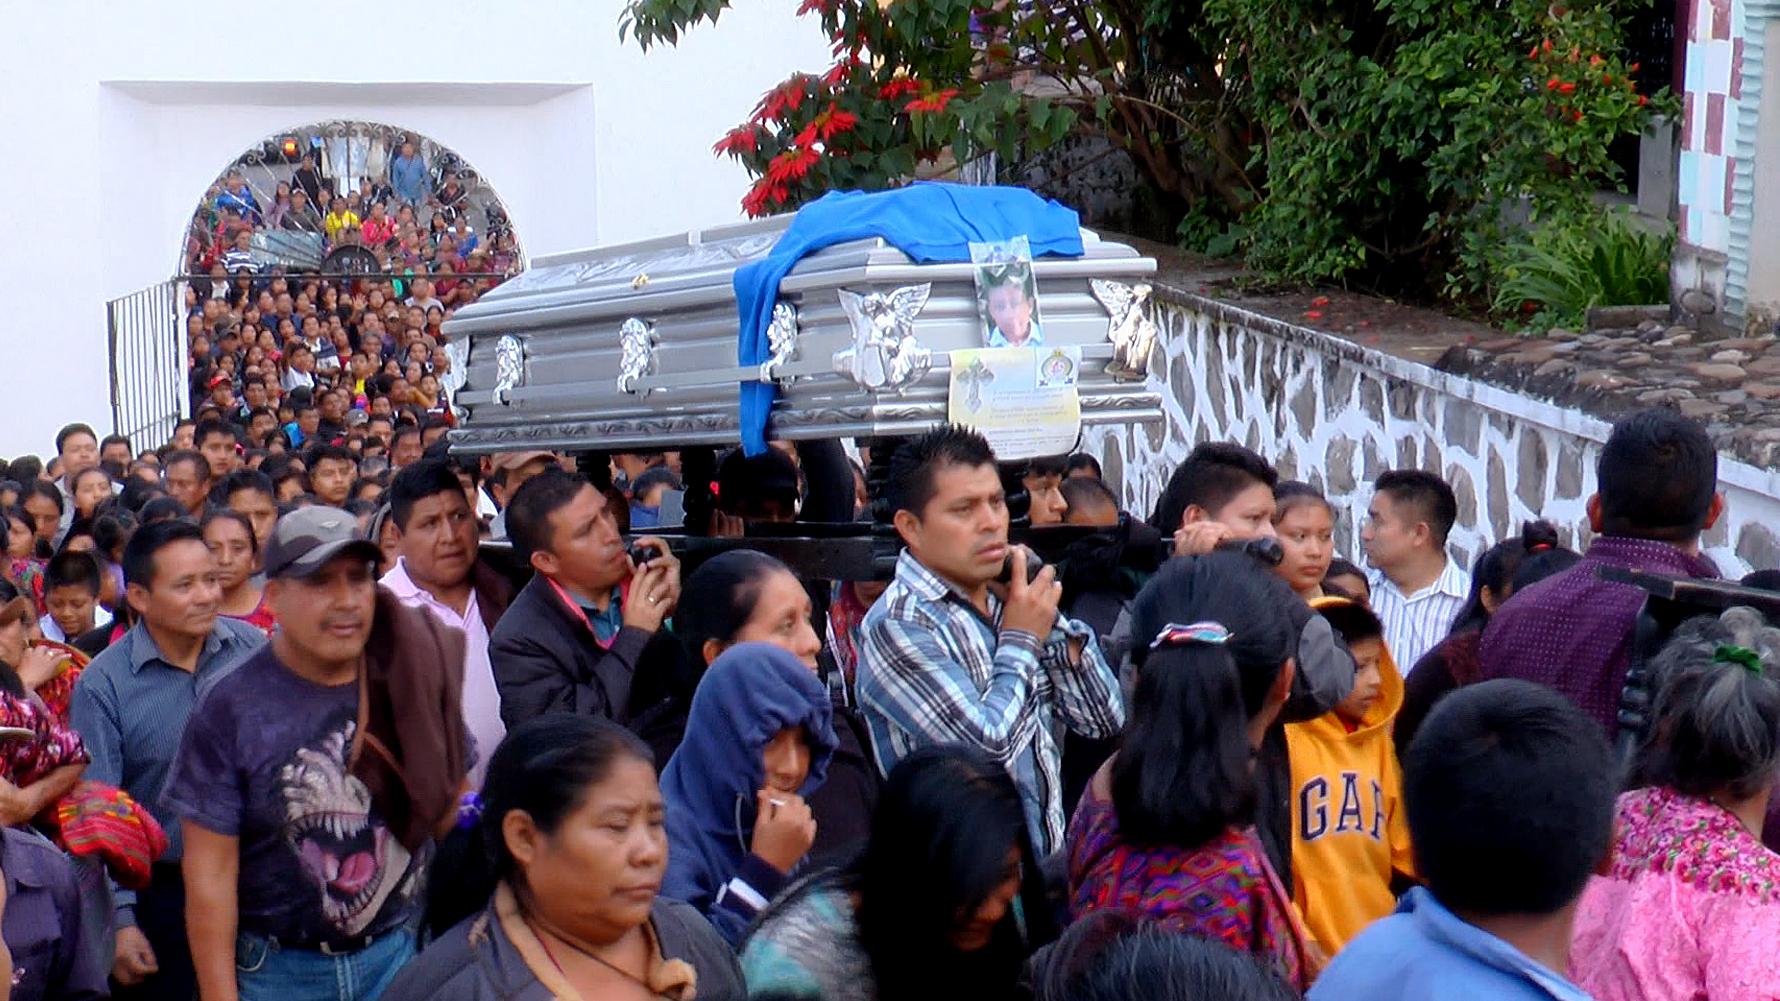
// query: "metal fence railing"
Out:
[148,351]
[148,391]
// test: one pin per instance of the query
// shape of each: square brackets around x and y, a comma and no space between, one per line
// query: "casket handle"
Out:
[781,341]
[637,341]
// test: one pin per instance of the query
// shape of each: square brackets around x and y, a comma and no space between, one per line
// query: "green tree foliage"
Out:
[1380,143]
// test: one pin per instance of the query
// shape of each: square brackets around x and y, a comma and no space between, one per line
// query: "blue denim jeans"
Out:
[265,971]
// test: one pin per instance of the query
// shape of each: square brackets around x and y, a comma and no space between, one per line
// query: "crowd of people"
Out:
[268,344]
[283,722]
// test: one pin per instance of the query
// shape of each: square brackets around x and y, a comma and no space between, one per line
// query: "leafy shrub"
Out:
[1558,271]
[1371,142]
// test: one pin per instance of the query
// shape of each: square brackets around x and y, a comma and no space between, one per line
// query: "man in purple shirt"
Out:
[1656,492]
[52,955]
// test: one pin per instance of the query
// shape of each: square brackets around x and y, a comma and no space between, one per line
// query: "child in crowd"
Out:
[1350,836]
[1305,525]
[1090,502]
[1510,793]
[1168,827]
[1345,580]
[758,741]
[92,487]
[1042,478]
[71,588]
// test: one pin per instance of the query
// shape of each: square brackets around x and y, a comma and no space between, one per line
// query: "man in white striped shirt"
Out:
[1417,590]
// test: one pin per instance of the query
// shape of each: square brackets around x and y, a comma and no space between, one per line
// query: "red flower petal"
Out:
[739,140]
[898,87]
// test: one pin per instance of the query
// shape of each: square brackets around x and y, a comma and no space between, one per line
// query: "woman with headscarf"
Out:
[745,596]
[758,742]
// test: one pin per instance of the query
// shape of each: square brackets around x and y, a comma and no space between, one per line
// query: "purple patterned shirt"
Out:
[1573,631]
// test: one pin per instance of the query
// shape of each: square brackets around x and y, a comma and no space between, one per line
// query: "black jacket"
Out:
[844,803]
[545,660]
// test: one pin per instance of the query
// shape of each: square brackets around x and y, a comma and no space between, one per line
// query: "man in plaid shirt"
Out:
[949,656]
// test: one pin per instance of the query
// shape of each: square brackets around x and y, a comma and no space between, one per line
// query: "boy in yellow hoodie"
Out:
[1349,832]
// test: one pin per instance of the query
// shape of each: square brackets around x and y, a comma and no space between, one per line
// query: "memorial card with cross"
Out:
[1024,401]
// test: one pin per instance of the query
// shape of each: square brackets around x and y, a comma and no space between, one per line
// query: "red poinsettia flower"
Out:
[935,102]
[837,74]
[834,121]
[806,136]
[739,140]
[754,202]
[801,162]
[781,100]
[791,165]
[898,87]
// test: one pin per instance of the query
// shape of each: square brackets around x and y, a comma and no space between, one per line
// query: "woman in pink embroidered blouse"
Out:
[1690,906]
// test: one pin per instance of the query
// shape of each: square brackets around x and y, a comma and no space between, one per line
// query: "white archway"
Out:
[353,160]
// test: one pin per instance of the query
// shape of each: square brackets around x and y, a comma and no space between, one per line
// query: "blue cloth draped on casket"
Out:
[930,222]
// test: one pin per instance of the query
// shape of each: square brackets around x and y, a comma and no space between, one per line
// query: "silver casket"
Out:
[634,347]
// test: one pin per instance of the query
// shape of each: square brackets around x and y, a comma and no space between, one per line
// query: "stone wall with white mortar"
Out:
[1335,414]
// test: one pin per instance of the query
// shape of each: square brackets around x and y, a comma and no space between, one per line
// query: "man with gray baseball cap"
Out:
[313,779]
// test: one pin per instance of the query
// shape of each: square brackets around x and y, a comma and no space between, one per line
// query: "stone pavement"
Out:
[1733,386]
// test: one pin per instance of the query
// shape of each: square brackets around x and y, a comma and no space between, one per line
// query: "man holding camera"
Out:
[950,655]
[577,637]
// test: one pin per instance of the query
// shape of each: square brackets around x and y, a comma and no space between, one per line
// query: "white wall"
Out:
[1335,414]
[116,117]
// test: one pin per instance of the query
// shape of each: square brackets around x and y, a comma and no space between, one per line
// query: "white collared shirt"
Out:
[481,700]
[54,634]
[1416,623]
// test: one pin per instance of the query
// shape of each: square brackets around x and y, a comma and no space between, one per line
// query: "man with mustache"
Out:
[438,569]
[948,655]
[310,793]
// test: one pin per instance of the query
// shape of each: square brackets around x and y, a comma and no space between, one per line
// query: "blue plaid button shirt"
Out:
[932,670]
